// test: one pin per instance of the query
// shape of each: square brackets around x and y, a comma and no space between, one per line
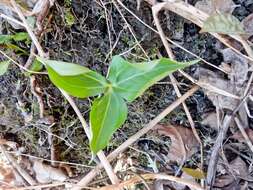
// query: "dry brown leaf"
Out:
[183,142]
[239,167]
[235,85]
[238,135]
[11,144]
[248,25]
[212,6]
[210,119]
[47,174]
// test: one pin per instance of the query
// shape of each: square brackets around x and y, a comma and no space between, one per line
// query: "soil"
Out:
[87,43]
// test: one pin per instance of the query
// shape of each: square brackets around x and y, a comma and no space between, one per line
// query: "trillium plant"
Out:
[124,83]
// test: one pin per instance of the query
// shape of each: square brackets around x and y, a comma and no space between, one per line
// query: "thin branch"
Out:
[29,30]
[15,165]
[100,154]
[85,180]
[244,134]
[138,179]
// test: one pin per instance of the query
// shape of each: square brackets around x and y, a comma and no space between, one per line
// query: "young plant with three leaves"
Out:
[124,83]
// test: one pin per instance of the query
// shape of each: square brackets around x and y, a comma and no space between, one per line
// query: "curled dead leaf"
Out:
[248,25]
[210,119]
[235,85]
[183,142]
[238,135]
[47,174]
[211,6]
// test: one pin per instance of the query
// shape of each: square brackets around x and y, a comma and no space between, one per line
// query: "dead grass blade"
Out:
[138,179]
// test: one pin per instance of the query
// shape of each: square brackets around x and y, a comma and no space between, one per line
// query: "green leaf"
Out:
[131,80]
[64,68]
[69,17]
[21,36]
[77,80]
[223,23]
[16,48]
[5,39]
[196,173]
[4,66]
[36,66]
[107,114]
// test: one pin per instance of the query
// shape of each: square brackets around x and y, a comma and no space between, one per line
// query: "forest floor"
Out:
[89,33]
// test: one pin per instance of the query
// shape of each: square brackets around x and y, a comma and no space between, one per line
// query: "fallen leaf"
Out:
[239,167]
[167,185]
[223,24]
[210,119]
[235,84]
[211,6]
[238,135]
[183,142]
[11,144]
[195,173]
[239,67]
[248,25]
[46,173]
[4,67]
[223,181]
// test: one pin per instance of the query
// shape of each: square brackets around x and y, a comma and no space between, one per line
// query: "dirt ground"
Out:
[86,42]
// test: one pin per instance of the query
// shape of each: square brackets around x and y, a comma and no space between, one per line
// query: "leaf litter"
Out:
[183,142]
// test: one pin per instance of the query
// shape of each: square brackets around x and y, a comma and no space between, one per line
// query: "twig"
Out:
[198,17]
[37,95]
[85,180]
[171,41]
[155,10]
[21,66]
[27,27]
[20,170]
[100,154]
[130,28]
[138,179]
[11,19]
[244,134]
[212,166]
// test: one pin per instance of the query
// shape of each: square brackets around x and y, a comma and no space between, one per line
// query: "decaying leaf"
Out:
[210,119]
[239,167]
[195,173]
[238,135]
[167,185]
[212,6]
[234,171]
[47,174]
[183,142]
[248,25]
[235,84]
[223,24]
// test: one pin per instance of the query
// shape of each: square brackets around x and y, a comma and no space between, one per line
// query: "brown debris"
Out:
[183,142]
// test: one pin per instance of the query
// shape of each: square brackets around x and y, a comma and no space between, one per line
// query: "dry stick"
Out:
[171,41]
[244,134]
[101,156]
[84,181]
[130,28]
[138,179]
[27,27]
[198,17]
[212,166]
[20,170]
[155,11]
[11,19]
[156,8]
